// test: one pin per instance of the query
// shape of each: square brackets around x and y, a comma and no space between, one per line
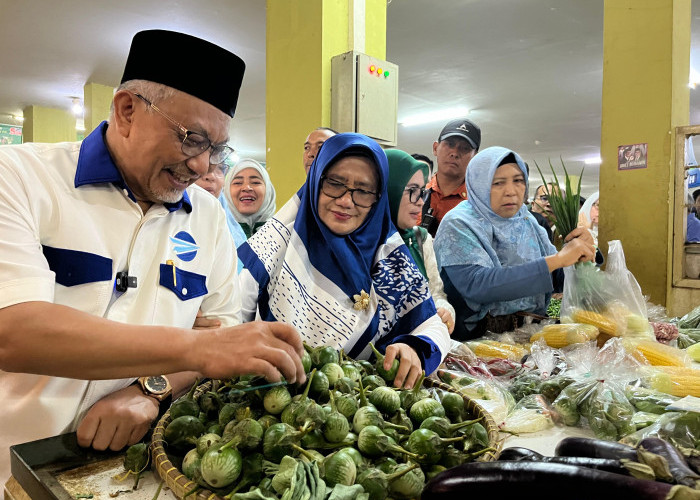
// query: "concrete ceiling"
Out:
[530,71]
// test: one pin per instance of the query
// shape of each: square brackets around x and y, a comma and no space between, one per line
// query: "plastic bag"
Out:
[611,300]
[690,320]
[479,383]
[678,428]
[597,397]
[531,414]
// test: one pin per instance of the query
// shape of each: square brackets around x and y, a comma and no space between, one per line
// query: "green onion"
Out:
[565,207]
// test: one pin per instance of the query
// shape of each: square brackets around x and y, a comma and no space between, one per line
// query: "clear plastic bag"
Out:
[597,397]
[682,429]
[474,378]
[611,300]
[531,414]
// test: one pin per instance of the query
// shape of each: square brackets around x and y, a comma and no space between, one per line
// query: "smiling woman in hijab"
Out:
[250,195]
[494,259]
[407,179]
[332,264]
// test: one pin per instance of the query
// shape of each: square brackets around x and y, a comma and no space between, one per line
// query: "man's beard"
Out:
[172,195]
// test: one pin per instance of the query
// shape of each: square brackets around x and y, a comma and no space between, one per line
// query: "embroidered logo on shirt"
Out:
[184,246]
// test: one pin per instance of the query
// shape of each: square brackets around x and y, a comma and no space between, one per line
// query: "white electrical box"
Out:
[365,96]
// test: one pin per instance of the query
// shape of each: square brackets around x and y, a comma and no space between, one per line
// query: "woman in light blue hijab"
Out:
[494,259]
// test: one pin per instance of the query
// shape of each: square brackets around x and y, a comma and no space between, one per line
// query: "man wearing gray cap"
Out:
[457,143]
[109,252]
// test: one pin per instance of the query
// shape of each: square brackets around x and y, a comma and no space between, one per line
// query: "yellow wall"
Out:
[97,101]
[48,125]
[645,95]
[302,37]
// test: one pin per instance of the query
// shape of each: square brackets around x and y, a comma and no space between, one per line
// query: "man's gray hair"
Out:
[154,92]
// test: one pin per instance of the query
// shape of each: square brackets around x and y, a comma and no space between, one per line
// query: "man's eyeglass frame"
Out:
[218,153]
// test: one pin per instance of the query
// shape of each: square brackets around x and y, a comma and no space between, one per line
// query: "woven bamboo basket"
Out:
[181,485]
[173,477]
[476,410]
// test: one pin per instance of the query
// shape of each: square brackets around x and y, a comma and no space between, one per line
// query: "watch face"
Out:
[156,385]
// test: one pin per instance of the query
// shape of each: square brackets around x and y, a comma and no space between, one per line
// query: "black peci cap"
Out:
[174,59]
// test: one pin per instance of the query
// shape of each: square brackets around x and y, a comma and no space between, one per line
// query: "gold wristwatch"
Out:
[157,386]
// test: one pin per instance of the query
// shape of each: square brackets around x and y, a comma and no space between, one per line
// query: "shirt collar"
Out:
[461,192]
[95,166]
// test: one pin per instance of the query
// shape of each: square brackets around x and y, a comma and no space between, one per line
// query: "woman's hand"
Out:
[581,233]
[410,366]
[446,318]
[579,247]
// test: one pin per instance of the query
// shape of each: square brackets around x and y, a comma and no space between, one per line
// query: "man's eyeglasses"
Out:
[221,170]
[415,194]
[360,197]
[193,143]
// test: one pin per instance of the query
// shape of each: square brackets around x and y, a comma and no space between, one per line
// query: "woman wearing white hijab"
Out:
[250,195]
[588,215]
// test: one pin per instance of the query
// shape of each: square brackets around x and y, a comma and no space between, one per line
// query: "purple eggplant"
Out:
[594,448]
[534,479]
[526,455]
[682,474]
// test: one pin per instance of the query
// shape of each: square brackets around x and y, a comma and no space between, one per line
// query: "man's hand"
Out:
[446,318]
[262,348]
[118,420]
[203,323]
[410,366]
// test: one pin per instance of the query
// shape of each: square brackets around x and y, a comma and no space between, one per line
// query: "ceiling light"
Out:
[596,160]
[434,116]
[77,107]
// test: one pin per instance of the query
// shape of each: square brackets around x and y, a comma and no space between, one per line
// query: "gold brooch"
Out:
[361,300]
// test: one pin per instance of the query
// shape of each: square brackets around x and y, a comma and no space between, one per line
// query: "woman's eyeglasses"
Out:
[336,189]
[415,194]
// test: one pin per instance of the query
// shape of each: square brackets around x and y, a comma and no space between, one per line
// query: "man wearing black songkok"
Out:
[109,253]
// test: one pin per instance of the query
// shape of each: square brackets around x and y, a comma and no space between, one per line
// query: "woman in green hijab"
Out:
[407,179]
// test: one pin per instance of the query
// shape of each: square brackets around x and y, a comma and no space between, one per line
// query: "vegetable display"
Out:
[347,433]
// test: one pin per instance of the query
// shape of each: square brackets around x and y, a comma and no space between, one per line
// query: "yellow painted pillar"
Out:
[48,125]
[302,37]
[646,52]
[97,100]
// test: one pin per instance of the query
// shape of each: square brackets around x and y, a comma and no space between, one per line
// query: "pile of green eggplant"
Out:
[582,468]
[347,433]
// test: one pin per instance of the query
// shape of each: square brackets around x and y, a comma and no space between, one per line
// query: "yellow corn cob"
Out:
[603,323]
[658,354]
[679,370]
[562,335]
[676,381]
[517,350]
[488,350]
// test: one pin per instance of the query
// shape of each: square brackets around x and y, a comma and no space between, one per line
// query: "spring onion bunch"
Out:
[565,207]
